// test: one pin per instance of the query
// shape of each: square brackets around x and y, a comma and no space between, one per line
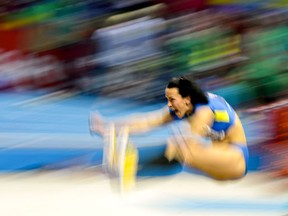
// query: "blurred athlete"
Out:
[214,141]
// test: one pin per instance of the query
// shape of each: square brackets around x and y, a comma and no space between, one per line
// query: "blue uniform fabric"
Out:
[224,113]
[245,151]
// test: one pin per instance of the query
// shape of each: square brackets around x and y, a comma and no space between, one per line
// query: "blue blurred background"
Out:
[60,60]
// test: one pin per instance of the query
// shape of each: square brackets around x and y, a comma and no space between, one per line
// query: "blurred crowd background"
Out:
[128,49]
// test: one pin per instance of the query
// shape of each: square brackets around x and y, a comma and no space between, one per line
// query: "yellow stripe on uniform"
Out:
[221,116]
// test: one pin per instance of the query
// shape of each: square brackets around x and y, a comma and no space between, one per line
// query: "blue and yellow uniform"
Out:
[223,112]
[224,118]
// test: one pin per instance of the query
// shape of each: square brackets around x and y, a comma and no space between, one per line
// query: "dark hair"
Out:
[187,87]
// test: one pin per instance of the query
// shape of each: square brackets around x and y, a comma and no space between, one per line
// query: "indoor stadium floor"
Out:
[77,192]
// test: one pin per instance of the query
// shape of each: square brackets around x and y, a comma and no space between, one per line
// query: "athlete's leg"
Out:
[219,160]
[153,162]
[126,162]
[144,161]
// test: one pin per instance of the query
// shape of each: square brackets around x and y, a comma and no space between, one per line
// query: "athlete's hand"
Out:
[97,124]
[214,135]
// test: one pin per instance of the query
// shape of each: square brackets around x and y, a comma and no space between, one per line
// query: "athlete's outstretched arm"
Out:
[137,123]
[144,122]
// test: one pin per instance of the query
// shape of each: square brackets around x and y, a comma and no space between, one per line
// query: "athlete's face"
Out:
[177,103]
